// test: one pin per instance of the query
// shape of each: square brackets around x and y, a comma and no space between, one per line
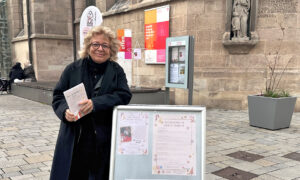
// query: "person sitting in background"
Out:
[16,74]
[29,75]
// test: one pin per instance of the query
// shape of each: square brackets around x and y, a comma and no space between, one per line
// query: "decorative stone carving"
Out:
[240,35]
[240,13]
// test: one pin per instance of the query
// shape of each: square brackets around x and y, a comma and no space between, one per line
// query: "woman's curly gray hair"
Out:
[108,33]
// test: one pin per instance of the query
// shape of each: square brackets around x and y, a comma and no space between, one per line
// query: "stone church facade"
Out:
[226,69]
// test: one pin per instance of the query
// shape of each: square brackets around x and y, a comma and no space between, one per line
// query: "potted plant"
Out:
[272,109]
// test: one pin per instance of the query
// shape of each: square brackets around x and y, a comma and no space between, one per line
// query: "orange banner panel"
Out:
[120,32]
[150,16]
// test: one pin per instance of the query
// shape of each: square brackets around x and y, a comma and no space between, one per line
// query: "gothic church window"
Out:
[21,17]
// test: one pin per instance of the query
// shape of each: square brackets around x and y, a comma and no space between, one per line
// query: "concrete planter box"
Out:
[270,113]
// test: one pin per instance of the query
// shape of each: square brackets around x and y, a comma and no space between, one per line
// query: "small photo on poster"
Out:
[182,54]
[181,73]
[174,56]
[137,54]
[125,134]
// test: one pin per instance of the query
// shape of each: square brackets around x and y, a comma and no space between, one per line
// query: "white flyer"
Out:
[73,97]
[133,133]
[174,144]
[174,73]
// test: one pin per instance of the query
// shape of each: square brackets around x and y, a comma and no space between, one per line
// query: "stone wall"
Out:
[21,52]
[51,38]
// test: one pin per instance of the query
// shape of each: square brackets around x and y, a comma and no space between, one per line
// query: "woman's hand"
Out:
[69,116]
[86,106]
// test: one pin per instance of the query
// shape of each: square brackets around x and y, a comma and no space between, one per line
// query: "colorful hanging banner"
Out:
[156,32]
[124,54]
[124,36]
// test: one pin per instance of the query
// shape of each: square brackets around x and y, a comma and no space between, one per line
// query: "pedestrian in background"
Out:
[83,146]
[16,74]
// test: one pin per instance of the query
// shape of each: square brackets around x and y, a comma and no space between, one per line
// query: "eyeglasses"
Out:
[97,45]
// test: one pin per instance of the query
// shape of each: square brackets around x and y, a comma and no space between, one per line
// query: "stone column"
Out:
[5,51]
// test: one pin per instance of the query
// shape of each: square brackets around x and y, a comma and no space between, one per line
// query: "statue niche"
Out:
[240,16]
[240,35]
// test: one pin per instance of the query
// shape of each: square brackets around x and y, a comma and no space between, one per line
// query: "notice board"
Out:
[158,142]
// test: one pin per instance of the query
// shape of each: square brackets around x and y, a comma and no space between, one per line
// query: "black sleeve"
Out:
[120,95]
[59,103]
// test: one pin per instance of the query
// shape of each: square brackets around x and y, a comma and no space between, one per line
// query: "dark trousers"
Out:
[85,168]
[90,162]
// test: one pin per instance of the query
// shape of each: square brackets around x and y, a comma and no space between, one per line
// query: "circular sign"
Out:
[90,17]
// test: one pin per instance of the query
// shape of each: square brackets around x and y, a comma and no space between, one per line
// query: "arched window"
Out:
[20,25]
[90,3]
[21,14]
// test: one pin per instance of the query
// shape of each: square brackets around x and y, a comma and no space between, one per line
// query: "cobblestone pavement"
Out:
[28,132]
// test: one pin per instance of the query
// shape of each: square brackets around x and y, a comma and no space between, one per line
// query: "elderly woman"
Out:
[83,146]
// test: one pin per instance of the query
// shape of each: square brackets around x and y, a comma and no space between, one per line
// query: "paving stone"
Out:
[7,144]
[292,163]
[37,159]
[263,162]
[32,166]
[264,170]
[16,157]
[5,178]
[211,168]
[30,171]
[246,166]
[294,156]
[287,173]
[234,174]
[11,169]
[212,177]
[12,163]
[22,177]
[41,173]
[242,155]
[17,152]
[11,174]
[266,177]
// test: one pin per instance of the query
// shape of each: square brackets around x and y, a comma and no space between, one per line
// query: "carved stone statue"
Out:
[236,24]
[240,11]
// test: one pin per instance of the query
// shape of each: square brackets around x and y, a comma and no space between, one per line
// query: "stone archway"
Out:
[5,51]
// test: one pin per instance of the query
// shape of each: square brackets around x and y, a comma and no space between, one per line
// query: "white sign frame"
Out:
[137,164]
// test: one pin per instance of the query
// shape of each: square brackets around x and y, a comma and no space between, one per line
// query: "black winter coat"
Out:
[114,91]
[16,72]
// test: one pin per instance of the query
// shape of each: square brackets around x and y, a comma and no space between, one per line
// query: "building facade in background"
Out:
[224,74]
